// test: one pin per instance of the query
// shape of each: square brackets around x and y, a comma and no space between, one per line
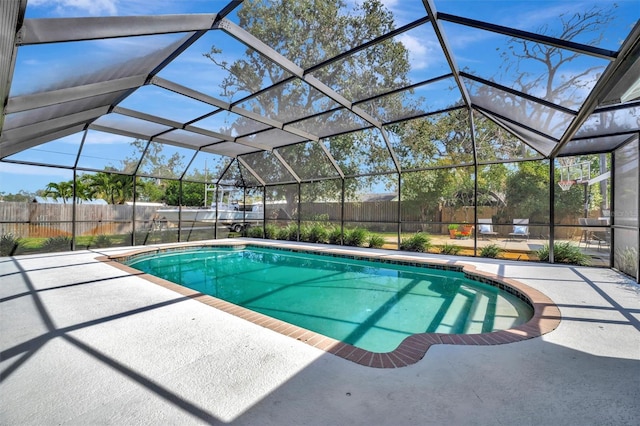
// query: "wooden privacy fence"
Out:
[387,211]
[50,220]
[378,211]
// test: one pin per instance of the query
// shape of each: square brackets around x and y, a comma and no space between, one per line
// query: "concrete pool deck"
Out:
[84,343]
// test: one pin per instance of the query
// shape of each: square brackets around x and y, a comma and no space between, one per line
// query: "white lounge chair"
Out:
[520,229]
[485,228]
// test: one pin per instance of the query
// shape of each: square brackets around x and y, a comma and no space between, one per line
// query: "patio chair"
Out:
[600,234]
[585,233]
[520,229]
[603,238]
[593,232]
[485,228]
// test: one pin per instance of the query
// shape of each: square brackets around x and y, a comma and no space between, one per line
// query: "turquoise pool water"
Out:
[368,304]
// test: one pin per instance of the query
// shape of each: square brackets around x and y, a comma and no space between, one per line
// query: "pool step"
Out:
[467,313]
[477,314]
[455,318]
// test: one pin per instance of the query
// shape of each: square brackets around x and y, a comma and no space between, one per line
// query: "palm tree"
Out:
[114,188]
[58,190]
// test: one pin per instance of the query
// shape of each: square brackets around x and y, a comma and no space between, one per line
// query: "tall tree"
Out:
[285,25]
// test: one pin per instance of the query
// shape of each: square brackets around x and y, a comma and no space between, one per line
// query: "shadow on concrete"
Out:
[531,382]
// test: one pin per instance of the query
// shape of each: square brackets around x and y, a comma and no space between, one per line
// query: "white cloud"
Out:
[104,138]
[417,50]
[390,4]
[423,53]
[89,7]
[532,20]
[70,8]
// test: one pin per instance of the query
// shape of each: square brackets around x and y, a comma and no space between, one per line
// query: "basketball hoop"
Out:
[566,184]
[573,173]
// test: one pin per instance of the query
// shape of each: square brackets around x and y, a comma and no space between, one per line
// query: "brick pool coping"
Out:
[546,315]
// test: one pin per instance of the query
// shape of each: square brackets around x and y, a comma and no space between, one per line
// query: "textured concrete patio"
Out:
[84,343]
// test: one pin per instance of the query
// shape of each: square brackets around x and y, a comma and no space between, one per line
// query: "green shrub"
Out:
[450,249]
[288,233]
[564,253]
[305,231]
[419,242]
[254,232]
[335,236]
[271,231]
[318,233]
[10,245]
[376,241]
[61,243]
[282,234]
[355,237]
[491,250]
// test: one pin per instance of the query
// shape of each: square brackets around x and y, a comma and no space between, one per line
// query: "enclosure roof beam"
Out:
[287,166]
[182,90]
[444,43]
[53,97]
[186,169]
[250,169]
[210,148]
[608,108]
[224,171]
[193,94]
[270,53]
[25,133]
[160,139]
[47,30]
[333,161]
[12,18]
[147,117]
[392,152]
[628,56]
[536,38]
[291,129]
[518,93]
[368,44]
[121,132]
[209,133]
[257,117]
[404,88]
[490,115]
[426,114]
[254,145]
[228,9]
[12,147]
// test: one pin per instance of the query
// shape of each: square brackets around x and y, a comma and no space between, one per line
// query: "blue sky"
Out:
[473,48]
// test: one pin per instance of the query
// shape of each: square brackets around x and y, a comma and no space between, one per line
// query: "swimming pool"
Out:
[363,302]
